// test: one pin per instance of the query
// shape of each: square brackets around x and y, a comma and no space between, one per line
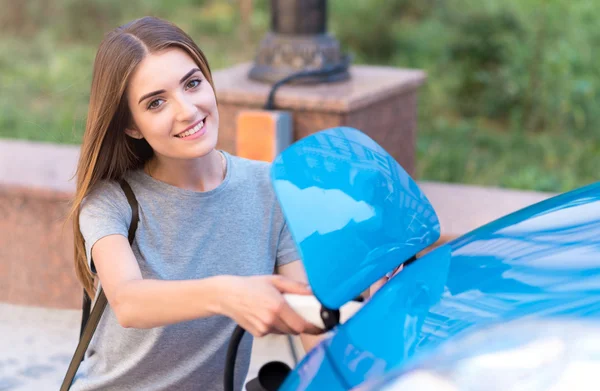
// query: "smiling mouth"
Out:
[193,130]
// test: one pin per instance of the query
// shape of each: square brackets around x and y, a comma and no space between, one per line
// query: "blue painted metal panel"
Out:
[542,262]
[353,212]
[314,373]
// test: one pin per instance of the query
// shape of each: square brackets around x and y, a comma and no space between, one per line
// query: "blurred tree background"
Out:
[512,97]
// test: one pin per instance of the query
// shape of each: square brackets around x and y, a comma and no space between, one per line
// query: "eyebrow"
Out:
[148,95]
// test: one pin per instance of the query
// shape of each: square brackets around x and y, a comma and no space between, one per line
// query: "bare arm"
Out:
[146,303]
[255,303]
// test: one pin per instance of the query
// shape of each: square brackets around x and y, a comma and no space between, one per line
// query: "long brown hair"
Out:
[107,153]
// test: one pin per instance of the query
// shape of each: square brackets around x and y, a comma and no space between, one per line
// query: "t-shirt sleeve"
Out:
[286,250]
[103,212]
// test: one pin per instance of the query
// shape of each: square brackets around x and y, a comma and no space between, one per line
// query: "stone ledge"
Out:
[37,165]
[16,190]
[233,87]
[462,208]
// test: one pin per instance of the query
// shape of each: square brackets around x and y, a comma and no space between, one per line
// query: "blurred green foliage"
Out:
[512,97]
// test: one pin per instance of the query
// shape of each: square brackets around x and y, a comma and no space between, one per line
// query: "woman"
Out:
[210,234]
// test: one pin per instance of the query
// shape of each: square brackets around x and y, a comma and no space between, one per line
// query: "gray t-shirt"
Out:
[235,229]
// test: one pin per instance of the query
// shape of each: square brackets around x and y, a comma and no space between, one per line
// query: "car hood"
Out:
[540,262]
[355,214]
[352,210]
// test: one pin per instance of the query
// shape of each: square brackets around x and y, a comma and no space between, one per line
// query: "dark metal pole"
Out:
[299,17]
[298,41]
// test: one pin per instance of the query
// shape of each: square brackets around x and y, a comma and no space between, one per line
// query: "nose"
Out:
[186,110]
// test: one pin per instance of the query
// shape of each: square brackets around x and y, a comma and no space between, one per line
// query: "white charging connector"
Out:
[313,312]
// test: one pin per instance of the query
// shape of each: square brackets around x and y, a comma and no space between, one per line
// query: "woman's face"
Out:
[173,106]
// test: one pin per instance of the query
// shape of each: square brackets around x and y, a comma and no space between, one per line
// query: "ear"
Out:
[134,133]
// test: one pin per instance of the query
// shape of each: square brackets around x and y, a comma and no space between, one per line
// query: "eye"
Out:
[193,83]
[155,104]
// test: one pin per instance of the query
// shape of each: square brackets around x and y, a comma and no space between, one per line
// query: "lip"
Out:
[195,135]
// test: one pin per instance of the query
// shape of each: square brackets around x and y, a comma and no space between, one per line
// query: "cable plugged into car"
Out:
[272,375]
[314,312]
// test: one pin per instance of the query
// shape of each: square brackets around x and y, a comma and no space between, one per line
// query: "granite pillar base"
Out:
[380,101]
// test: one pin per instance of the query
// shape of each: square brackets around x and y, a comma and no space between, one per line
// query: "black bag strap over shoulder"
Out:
[90,320]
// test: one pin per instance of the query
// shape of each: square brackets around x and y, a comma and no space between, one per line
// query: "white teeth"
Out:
[191,131]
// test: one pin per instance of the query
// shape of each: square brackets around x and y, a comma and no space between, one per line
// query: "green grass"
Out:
[512,97]
[468,152]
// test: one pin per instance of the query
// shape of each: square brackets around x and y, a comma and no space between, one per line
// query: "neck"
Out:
[201,174]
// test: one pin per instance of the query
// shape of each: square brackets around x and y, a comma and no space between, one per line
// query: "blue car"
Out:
[520,292]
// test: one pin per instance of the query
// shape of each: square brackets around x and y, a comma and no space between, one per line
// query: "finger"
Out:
[280,327]
[249,328]
[312,329]
[376,285]
[296,322]
[286,285]
[398,270]
[270,323]
[260,328]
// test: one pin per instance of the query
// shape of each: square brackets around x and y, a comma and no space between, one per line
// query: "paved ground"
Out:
[36,345]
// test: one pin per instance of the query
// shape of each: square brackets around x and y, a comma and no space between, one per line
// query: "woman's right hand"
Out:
[257,304]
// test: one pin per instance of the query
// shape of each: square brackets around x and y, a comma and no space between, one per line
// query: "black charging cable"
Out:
[324,75]
[234,343]
[271,375]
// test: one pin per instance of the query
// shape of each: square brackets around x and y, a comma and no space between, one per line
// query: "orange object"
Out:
[262,135]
